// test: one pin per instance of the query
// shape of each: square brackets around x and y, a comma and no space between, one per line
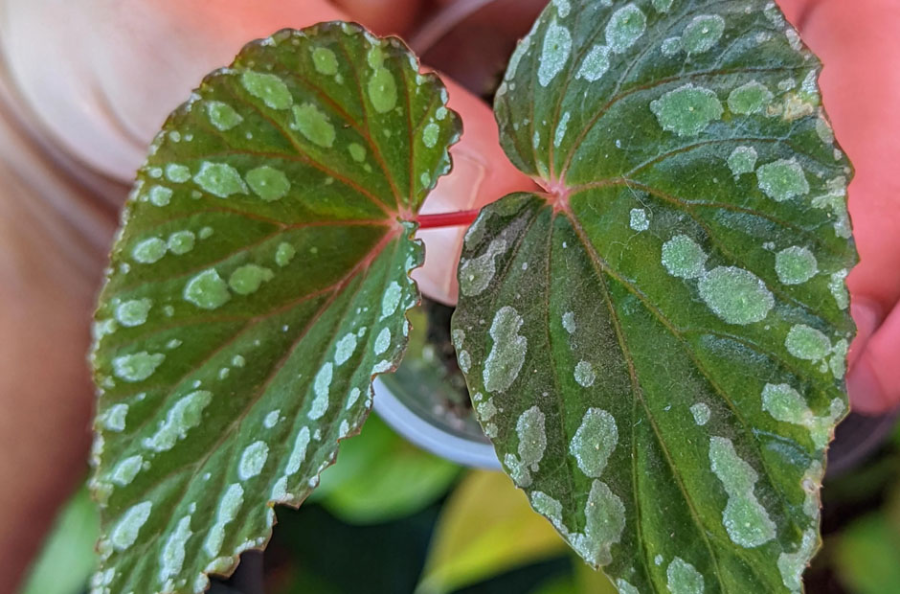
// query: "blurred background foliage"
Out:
[392,518]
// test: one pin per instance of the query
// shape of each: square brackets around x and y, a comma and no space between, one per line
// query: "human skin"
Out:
[71,137]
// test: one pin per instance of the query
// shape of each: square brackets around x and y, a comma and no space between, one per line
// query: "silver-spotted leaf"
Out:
[657,343]
[259,282]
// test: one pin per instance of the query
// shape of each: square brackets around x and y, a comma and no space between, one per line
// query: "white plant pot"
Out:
[433,433]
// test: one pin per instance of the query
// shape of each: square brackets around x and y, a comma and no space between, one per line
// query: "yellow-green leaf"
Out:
[485,529]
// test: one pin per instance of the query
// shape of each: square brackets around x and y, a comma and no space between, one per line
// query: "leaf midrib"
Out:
[362,131]
[560,402]
[247,247]
[301,156]
[368,125]
[576,144]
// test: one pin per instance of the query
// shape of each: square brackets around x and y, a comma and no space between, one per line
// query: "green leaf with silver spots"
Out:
[657,343]
[258,284]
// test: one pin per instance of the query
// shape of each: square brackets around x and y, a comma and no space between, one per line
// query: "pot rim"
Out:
[426,435]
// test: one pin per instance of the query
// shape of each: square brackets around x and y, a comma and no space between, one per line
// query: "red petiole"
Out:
[454,219]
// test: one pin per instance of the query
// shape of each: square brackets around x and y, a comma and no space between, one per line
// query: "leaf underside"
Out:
[657,344]
[259,282]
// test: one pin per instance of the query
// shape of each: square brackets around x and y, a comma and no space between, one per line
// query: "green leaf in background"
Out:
[591,581]
[382,477]
[658,341]
[582,580]
[67,557]
[486,528]
[563,584]
[259,282]
[867,553]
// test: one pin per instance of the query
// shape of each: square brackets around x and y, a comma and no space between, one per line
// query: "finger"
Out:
[481,174]
[128,65]
[859,48]
[383,16]
[873,382]
[45,389]
[796,10]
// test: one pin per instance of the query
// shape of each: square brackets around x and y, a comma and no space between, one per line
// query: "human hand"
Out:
[111,90]
[77,112]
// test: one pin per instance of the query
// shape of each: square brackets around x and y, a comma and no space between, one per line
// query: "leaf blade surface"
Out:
[658,341]
[259,283]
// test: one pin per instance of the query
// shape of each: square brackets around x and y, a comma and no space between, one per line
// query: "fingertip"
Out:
[866,393]
[867,315]
[383,17]
[796,10]
[106,74]
[874,380]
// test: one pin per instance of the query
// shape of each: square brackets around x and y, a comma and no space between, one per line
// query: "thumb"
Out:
[128,65]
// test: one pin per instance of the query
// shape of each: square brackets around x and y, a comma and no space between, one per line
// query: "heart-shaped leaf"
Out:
[657,343]
[259,282]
